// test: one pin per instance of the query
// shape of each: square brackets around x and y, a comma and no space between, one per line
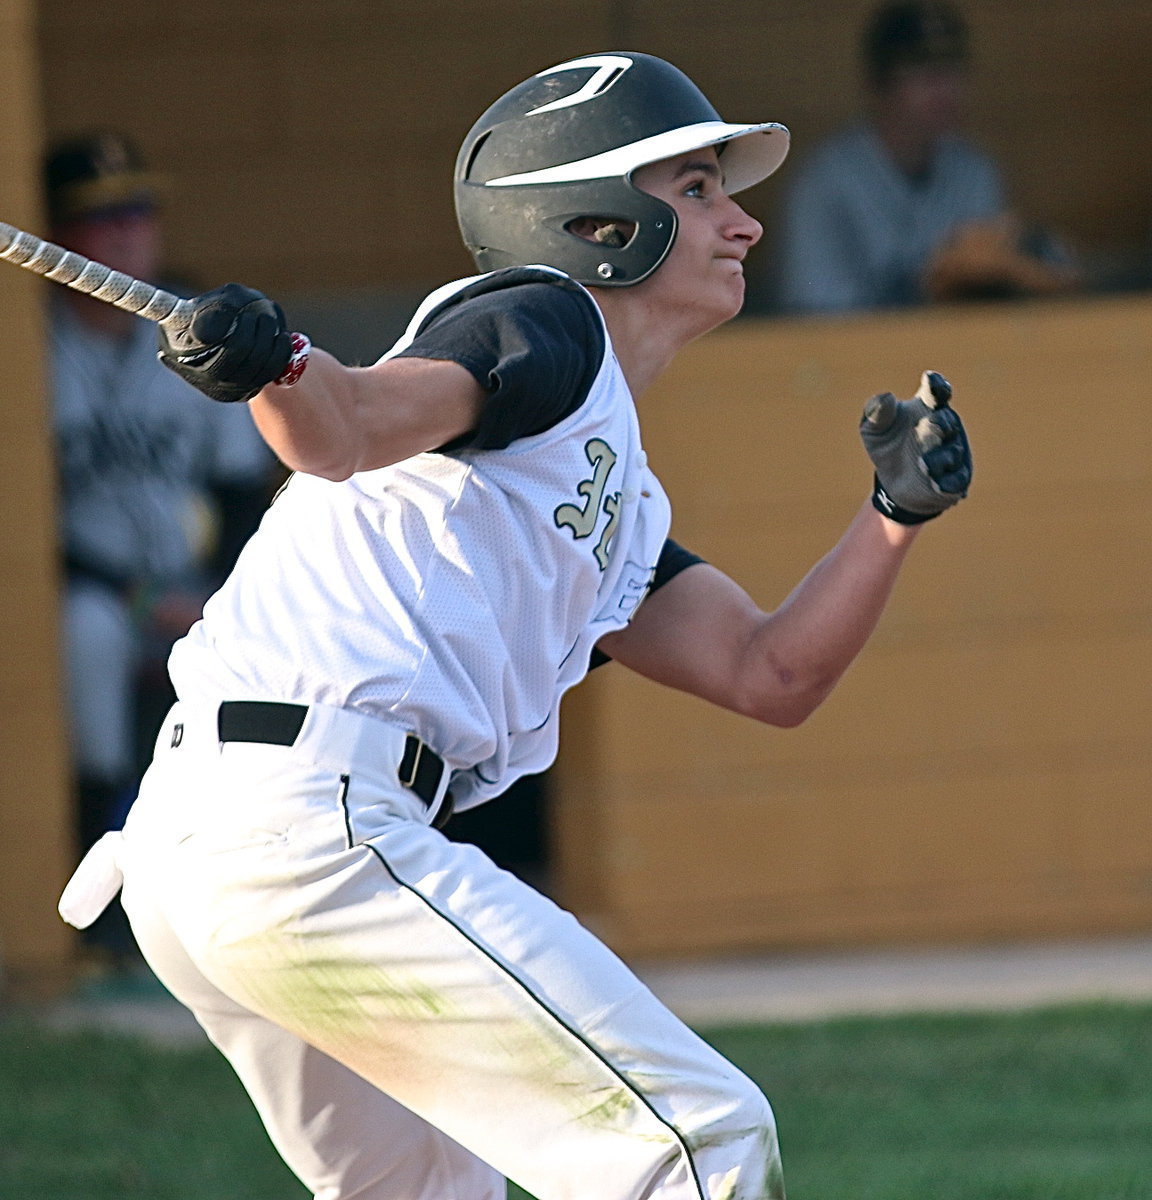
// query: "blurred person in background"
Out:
[900,208]
[158,487]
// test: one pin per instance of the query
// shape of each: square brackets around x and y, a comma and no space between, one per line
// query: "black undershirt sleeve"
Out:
[535,347]
[673,559]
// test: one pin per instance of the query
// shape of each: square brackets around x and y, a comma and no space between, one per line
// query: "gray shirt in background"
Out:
[857,233]
[137,448]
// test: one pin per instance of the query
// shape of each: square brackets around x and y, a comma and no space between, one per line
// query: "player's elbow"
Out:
[305,447]
[784,696]
[335,466]
[784,713]
[333,472]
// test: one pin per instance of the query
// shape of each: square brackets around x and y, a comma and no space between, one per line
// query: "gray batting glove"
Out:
[920,452]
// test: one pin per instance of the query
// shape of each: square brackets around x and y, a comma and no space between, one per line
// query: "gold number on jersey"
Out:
[582,519]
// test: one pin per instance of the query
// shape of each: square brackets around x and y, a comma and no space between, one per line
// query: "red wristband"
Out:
[301,347]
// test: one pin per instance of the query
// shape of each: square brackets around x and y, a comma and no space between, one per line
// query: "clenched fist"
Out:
[920,451]
[235,343]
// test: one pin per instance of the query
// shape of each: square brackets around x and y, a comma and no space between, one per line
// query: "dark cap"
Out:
[914,34]
[96,173]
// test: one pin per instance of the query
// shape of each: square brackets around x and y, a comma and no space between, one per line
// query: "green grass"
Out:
[1050,1105]
[86,1117]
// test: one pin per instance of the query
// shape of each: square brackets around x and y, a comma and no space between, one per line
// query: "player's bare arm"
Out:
[319,416]
[703,634]
[339,420]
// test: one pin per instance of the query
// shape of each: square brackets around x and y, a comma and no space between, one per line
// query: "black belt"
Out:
[278,724]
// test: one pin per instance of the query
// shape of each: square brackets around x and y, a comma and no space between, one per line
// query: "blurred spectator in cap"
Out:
[97,174]
[900,208]
[104,204]
[158,486]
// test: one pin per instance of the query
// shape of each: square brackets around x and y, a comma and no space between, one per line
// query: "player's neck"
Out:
[645,339]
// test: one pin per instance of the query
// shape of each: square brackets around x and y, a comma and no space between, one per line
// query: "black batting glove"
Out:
[236,342]
[920,452]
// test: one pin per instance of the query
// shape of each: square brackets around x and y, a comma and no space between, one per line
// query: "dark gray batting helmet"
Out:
[564,144]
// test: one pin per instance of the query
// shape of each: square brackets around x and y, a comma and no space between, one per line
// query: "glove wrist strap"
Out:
[886,506]
[301,348]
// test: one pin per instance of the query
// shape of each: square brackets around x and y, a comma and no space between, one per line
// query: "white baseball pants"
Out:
[411,1022]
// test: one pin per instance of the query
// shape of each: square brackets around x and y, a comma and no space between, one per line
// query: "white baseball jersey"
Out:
[458,595]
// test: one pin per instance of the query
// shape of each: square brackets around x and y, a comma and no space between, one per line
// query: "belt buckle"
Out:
[415,769]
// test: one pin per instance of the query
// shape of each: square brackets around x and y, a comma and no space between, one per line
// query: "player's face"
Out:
[704,272]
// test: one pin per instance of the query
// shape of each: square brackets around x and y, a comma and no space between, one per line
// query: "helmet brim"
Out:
[751,154]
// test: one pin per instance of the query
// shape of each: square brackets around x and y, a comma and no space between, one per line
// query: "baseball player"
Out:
[471,523]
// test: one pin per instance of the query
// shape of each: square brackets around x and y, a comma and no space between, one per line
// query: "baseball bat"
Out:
[92,278]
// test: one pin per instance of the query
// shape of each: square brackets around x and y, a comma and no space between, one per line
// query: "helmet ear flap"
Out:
[534,232]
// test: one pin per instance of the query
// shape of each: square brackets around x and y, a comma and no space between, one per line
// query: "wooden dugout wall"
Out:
[985,769]
[309,148]
[34,816]
[310,145]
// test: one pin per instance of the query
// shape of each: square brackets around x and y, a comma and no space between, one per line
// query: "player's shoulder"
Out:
[535,290]
[535,306]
